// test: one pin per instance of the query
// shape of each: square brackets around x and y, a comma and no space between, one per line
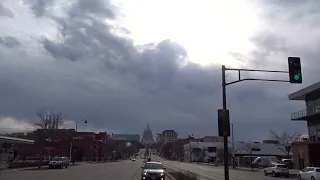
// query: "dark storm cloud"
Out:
[9,42]
[39,7]
[4,11]
[293,10]
[94,74]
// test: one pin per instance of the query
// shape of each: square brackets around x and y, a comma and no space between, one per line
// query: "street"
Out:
[126,170]
[123,170]
[207,172]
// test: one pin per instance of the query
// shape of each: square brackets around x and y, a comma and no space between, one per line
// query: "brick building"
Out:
[64,142]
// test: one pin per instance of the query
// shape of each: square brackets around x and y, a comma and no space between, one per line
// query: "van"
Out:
[261,162]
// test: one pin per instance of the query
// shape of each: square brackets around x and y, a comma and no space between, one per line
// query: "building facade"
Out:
[306,153]
[168,136]
[147,137]
[64,142]
[213,151]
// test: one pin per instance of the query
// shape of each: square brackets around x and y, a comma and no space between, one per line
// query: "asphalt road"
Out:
[123,170]
[207,172]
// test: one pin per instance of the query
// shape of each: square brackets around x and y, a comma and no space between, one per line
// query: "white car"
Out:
[309,173]
[276,169]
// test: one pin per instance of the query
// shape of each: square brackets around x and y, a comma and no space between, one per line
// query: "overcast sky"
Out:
[122,64]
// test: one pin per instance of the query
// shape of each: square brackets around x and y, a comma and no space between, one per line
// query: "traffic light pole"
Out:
[225,134]
[224,106]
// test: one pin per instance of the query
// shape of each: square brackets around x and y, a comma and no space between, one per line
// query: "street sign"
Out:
[223,122]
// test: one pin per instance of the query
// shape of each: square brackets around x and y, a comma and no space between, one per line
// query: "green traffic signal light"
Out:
[297,76]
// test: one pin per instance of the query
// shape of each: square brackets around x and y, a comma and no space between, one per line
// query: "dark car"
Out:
[59,162]
[153,171]
[288,162]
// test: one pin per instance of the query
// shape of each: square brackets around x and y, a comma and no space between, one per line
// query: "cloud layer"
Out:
[80,65]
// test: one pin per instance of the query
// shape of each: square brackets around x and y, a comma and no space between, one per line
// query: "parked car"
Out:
[276,169]
[307,173]
[260,162]
[59,162]
[287,162]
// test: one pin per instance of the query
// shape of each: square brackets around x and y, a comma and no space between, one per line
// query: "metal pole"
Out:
[225,135]
[232,136]
[190,151]
[70,151]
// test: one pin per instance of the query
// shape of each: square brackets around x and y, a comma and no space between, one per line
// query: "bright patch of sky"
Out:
[208,29]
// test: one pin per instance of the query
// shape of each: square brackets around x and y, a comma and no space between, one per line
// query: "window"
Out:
[310,106]
[310,169]
[212,149]
[255,149]
[153,166]
[281,166]
[317,105]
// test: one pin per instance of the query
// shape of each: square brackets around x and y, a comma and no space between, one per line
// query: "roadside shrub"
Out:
[23,164]
[187,176]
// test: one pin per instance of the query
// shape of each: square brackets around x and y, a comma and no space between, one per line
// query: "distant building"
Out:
[126,137]
[168,136]
[59,142]
[212,139]
[196,150]
[147,137]
[158,139]
[270,141]
[306,152]
[212,151]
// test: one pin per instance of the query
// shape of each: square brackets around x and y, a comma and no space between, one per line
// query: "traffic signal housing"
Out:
[295,75]
[223,122]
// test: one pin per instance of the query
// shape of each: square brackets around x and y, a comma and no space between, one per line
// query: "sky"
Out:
[121,64]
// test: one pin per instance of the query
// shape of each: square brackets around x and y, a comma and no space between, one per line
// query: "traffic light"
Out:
[295,75]
[223,122]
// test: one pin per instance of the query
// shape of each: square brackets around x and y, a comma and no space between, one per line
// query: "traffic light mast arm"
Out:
[254,79]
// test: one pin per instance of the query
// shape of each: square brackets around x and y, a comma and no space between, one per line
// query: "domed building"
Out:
[147,137]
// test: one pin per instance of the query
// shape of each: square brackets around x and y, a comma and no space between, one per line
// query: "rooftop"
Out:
[16,140]
[300,95]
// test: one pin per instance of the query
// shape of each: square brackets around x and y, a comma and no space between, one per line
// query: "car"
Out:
[59,162]
[153,171]
[287,162]
[307,173]
[133,159]
[276,169]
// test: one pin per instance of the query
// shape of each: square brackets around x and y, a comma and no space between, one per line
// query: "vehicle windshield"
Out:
[317,170]
[115,89]
[57,159]
[281,166]
[153,166]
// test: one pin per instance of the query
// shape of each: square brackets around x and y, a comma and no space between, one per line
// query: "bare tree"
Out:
[284,140]
[49,120]
[248,148]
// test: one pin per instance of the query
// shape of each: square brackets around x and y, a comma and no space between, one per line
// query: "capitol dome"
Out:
[147,137]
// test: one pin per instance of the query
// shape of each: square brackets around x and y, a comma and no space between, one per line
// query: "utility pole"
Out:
[70,151]
[225,134]
[295,76]
[233,150]
[232,136]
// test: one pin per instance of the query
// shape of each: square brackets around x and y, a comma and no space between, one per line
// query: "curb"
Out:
[170,176]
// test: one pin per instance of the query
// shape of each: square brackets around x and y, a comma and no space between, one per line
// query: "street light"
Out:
[83,120]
